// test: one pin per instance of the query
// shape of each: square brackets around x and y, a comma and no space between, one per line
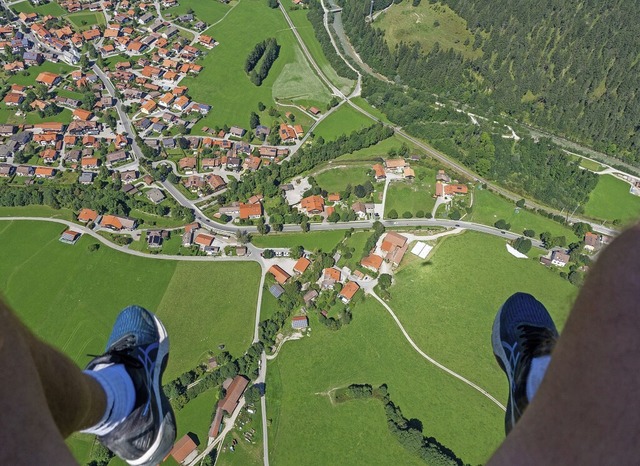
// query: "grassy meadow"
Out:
[376,152]
[344,120]
[371,349]
[412,196]
[74,297]
[448,302]
[324,240]
[612,200]
[339,177]
[52,8]
[488,208]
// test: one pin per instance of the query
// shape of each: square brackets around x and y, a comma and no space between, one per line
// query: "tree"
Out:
[407,214]
[529,233]
[296,252]
[254,120]
[334,217]
[272,3]
[502,224]
[420,214]
[384,280]
[261,107]
[581,229]
[359,191]
[393,214]
[522,245]
[93,247]
[520,203]
[252,395]
[262,227]
[455,215]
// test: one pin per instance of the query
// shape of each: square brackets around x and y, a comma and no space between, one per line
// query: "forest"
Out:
[570,68]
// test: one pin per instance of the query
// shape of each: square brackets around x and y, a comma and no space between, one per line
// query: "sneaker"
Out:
[522,330]
[139,341]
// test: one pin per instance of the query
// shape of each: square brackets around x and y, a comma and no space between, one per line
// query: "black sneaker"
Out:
[522,330]
[139,341]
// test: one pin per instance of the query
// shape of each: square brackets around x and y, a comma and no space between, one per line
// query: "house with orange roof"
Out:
[48,79]
[203,240]
[70,140]
[312,204]
[456,189]
[89,162]
[45,139]
[409,174]
[50,127]
[181,103]
[45,172]
[115,222]
[330,277]
[166,99]
[49,155]
[379,172]
[280,275]
[87,215]
[395,164]
[208,41]
[334,197]
[148,107]
[372,262]
[82,115]
[91,34]
[348,291]
[13,99]
[250,211]
[301,265]
[121,140]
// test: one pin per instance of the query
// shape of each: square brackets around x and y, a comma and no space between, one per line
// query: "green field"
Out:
[448,303]
[29,78]
[305,29]
[344,120]
[591,165]
[51,8]
[339,177]
[366,106]
[427,24]
[72,282]
[489,208]
[611,200]
[376,152]
[209,12]
[412,196]
[324,240]
[356,241]
[300,84]
[36,211]
[84,20]
[371,349]
[223,82]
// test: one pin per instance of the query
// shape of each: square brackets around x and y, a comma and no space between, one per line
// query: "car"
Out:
[503,232]
[457,224]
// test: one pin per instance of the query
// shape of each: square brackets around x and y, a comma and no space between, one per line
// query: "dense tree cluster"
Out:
[573,72]
[265,53]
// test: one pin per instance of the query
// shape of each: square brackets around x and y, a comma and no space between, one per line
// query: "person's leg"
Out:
[586,408]
[44,397]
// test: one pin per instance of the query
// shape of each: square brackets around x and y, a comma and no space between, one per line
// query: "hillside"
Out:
[568,67]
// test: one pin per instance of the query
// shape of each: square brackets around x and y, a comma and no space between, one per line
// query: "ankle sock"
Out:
[536,374]
[120,392]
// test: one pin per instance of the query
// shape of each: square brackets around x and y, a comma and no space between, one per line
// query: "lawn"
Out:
[84,20]
[245,453]
[427,24]
[366,106]
[223,82]
[448,302]
[612,200]
[371,349]
[29,78]
[36,211]
[344,120]
[591,165]
[375,152]
[308,35]
[299,83]
[489,208]
[208,11]
[339,177]
[324,240]
[357,242]
[73,300]
[51,8]
[412,196]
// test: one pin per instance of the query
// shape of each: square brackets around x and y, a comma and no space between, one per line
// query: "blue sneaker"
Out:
[522,330]
[139,341]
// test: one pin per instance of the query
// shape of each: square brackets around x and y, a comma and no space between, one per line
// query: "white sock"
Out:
[536,374]
[121,396]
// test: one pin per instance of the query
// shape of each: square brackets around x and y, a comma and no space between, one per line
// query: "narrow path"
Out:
[433,361]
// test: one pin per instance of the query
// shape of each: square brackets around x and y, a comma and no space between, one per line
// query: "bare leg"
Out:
[44,397]
[586,410]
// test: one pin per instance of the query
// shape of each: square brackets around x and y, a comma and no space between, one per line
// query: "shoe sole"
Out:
[505,365]
[154,455]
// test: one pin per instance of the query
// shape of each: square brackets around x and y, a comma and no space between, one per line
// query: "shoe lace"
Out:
[535,341]
[121,353]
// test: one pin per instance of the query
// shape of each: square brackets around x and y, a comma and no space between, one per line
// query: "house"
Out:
[7,130]
[302,265]
[155,195]
[276,291]
[280,275]
[188,164]
[13,99]
[560,258]
[49,155]
[155,238]
[234,392]
[348,291]
[116,157]
[148,107]
[439,189]
[334,197]
[234,163]
[395,246]
[592,241]
[256,198]
[360,209]
[330,277]
[442,176]
[252,163]
[185,450]
[87,215]
[86,178]
[193,182]
[48,79]
[121,141]
[395,164]
[203,240]
[409,174]
[250,211]
[45,172]
[236,131]
[216,182]
[299,322]
[25,170]
[372,262]
[5,152]
[69,237]
[314,111]
[309,296]
[456,189]
[114,222]
[6,170]
[312,204]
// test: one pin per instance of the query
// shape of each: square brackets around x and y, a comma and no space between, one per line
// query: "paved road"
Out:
[430,359]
